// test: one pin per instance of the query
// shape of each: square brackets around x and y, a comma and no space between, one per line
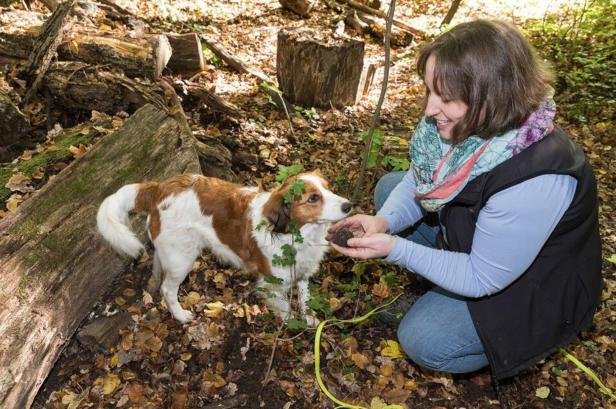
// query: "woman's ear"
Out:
[277,212]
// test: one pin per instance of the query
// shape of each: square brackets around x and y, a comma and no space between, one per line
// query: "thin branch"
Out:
[377,111]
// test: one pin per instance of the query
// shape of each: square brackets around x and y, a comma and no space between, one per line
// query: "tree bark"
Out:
[53,264]
[187,57]
[315,72]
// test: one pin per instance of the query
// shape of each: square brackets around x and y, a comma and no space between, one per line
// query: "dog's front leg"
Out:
[304,296]
[276,298]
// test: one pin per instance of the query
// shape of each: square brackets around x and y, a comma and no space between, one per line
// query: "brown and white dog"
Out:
[188,213]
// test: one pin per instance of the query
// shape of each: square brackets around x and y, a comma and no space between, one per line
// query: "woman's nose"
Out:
[432,105]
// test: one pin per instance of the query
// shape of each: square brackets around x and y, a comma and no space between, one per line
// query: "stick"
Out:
[397,23]
[47,42]
[377,111]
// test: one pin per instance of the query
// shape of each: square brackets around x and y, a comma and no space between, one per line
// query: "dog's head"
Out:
[305,199]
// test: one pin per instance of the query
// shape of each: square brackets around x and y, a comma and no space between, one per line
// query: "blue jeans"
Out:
[437,332]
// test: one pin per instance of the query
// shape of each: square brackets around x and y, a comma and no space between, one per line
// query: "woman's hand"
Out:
[373,246]
[361,225]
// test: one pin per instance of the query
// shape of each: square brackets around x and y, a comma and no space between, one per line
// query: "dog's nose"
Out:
[346,207]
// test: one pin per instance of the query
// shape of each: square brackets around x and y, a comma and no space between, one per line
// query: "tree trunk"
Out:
[187,57]
[75,85]
[451,12]
[135,57]
[316,72]
[53,264]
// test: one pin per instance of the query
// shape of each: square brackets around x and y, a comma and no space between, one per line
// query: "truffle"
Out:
[342,236]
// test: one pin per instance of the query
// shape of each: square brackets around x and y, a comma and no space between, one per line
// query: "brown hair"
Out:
[491,67]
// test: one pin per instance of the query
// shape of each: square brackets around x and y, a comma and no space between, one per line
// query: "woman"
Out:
[515,255]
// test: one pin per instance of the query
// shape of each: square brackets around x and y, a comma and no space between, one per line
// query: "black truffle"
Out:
[342,236]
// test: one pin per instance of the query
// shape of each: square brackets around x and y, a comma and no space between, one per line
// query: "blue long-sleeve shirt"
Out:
[511,229]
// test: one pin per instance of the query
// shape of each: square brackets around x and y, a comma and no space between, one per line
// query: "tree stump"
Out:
[187,56]
[316,71]
[53,264]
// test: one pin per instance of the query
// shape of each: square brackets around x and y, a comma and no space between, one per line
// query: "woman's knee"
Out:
[419,344]
[384,186]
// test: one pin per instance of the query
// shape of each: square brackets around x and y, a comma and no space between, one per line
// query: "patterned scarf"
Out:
[440,178]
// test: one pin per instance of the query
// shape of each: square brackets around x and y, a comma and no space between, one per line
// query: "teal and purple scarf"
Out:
[440,178]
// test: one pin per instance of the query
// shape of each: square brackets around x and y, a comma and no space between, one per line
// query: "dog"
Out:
[242,226]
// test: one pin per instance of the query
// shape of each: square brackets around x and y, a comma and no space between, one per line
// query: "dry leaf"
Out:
[111,383]
[542,392]
[360,360]
[179,399]
[27,155]
[381,290]
[392,349]
[13,202]
[135,392]
[78,151]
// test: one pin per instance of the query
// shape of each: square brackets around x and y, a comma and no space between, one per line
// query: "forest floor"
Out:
[225,352]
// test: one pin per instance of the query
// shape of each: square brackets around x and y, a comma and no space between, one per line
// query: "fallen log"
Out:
[53,265]
[399,38]
[76,85]
[214,102]
[300,7]
[18,31]
[187,56]
[145,57]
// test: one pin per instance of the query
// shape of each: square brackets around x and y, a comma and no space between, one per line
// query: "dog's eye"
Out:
[313,198]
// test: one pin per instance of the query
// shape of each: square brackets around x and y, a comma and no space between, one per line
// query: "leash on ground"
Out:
[602,388]
[317,359]
[317,353]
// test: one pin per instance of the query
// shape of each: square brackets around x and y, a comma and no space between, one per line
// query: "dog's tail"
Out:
[112,221]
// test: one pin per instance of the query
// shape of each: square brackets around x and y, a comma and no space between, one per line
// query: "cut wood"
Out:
[45,46]
[76,85]
[53,264]
[187,57]
[145,57]
[18,31]
[214,102]
[374,12]
[301,7]
[313,71]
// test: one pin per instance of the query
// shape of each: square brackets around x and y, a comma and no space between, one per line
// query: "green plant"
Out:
[581,45]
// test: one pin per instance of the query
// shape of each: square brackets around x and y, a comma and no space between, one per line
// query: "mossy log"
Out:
[53,264]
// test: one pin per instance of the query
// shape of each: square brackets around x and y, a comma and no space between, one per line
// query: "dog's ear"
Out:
[277,212]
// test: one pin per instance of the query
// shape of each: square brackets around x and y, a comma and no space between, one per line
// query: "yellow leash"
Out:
[604,389]
[317,360]
[317,354]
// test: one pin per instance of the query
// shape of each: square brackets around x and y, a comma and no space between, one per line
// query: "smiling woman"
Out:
[502,216]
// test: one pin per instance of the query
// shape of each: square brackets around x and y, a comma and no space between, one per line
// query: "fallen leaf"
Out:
[38,174]
[111,383]
[612,259]
[27,155]
[135,392]
[78,151]
[360,360]
[381,290]
[13,202]
[185,356]
[214,309]
[392,349]
[542,392]
[179,399]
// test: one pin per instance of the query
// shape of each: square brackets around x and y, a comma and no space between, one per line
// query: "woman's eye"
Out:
[313,198]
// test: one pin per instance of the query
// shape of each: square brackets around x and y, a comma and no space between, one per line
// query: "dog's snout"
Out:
[346,207]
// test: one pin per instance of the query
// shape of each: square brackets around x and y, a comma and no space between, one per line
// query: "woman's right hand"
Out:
[360,225]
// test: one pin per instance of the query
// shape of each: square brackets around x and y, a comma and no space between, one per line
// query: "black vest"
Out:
[555,299]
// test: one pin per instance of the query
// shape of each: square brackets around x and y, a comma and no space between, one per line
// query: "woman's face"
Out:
[446,112]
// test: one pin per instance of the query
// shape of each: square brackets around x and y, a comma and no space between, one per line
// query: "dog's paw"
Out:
[184,316]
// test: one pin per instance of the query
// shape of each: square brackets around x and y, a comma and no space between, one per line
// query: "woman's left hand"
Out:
[374,246]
